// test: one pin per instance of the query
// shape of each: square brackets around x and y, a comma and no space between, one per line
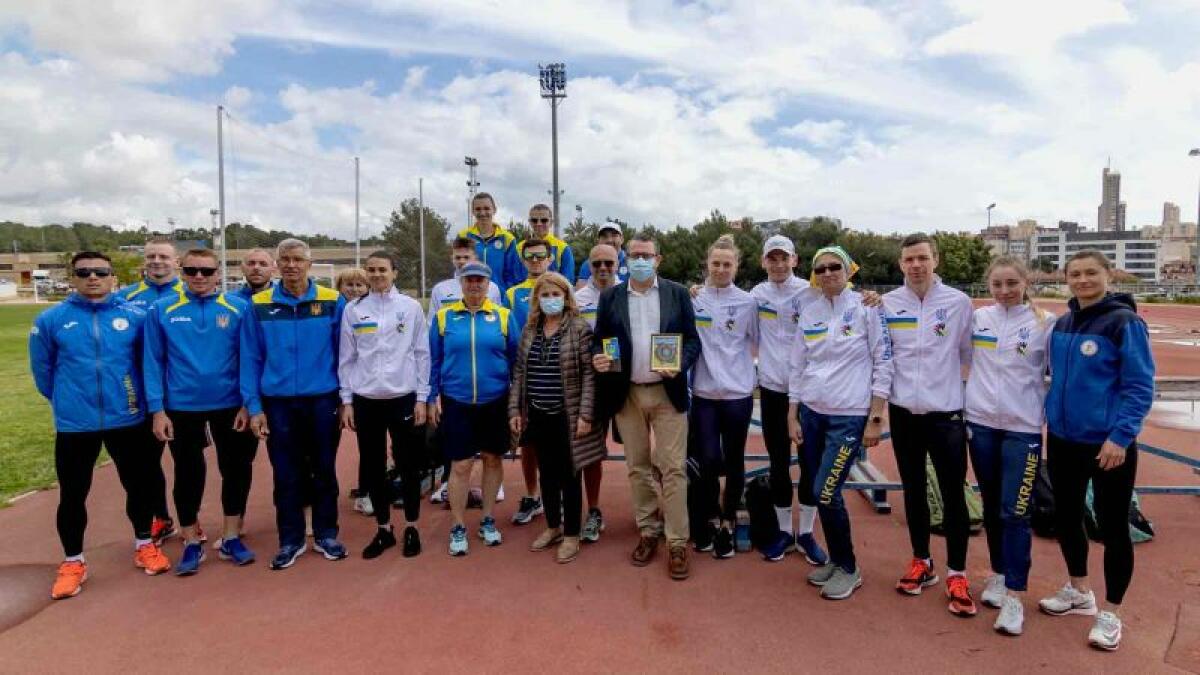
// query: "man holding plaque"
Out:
[645,388]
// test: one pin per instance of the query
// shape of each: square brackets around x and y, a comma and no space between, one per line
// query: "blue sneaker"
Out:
[778,549]
[458,540]
[329,547]
[189,564]
[287,557]
[488,532]
[813,553]
[233,549]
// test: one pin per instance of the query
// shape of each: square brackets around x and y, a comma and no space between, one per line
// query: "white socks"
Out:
[808,516]
[138,543]
[74,558]
[784,515]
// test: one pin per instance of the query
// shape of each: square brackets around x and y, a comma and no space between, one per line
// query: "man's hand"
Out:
[1111,456]
[516,425]
[873,433]
[665,374]
[419,413]
[434,412]
[871,299]
[258,425]
[163,429]
[582,428]
[241,421]
[347,416]
[794,429]
[602,362]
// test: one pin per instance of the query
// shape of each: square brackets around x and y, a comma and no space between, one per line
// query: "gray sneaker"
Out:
[842,584]
[994,591]
[1106,633]
[593,527]
[821,575]
[1011,619]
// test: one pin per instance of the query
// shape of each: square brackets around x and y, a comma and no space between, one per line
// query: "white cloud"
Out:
[818,134]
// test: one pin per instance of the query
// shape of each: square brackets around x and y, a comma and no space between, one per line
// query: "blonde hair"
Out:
[350,275]
[1018,266]
[724,243]
[570,308]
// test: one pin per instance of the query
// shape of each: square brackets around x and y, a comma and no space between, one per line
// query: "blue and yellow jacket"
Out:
[517,300]
[191,355]
[86,358]
[145,293]
[562,258]
[498,252]
[289,345]
[1101,373]
[470,353]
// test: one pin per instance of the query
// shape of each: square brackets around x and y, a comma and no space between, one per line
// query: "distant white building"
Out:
[1127,250]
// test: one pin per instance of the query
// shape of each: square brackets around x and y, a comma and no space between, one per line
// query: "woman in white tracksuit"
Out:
[1005,410]
[840,379]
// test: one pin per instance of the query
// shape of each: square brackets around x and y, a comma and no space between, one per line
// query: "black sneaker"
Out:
[723,544]
[527,510]
[412,542]
[702,540]
[384,539]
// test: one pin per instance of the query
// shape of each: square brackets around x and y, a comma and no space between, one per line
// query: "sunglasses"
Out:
[604,263]
[536,256]
[202,271]
[831,267]
[98,272]
[539,220]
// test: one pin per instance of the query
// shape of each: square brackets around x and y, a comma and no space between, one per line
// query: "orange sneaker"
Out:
[150,558]
[162,529]
[959,592]
[71,575]
[918,576]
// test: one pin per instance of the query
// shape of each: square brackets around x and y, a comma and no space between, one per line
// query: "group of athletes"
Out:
[518,351]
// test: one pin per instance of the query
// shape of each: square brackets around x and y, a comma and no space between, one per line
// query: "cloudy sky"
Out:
[891,115]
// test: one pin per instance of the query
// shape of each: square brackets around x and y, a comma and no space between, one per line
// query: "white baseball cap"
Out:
[779,242]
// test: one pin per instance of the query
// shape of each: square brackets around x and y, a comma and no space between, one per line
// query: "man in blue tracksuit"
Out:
[191,372]
[258,272]
[609,233]
[562,258]
[289,358]
[85,354]
[159,280]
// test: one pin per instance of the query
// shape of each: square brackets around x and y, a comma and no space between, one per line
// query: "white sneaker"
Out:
[439,495]
[1011,619]
[1069,601]
[994,591]
[363,506]
[500,494]
[1106,633]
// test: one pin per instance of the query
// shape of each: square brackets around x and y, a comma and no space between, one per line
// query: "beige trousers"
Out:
[656,468]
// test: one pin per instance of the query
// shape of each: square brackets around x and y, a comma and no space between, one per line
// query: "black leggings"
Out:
[235,459]
[74,460]
[943,437]
[376,419]
[721,427]
[561,488]
[1071,466]
[774,407]
[156,485]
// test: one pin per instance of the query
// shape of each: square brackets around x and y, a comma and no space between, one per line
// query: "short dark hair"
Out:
[484,195]
[646,236]
[90,255]
[1089,254]
[383,255]
[533,241]
[919,238]
[200,253]
[462,242]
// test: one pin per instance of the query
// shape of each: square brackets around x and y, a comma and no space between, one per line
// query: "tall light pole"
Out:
[1195,152]
[357,238]
[221,194]
[219,235]
[472,166]
[421,225]
[989,212]
[553,79]
[579,214]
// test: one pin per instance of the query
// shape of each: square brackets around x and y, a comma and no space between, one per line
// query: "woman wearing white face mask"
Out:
[552,404]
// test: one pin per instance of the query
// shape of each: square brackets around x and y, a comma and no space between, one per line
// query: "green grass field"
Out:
[26,427]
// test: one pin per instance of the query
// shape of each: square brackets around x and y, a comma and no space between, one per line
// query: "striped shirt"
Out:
[544,374]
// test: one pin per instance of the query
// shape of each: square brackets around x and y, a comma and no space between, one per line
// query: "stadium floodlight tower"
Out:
[472,184]
[1195,152]
[553,78]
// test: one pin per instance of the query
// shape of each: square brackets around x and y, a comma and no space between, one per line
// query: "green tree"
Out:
[877,257]
[402,237]
[1043,264]
[962,258]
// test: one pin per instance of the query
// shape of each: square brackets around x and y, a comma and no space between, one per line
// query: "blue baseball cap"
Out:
[474,269]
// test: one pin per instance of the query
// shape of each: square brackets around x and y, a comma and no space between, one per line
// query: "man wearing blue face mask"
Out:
[644,399]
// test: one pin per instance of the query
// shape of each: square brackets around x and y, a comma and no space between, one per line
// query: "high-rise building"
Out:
[1110,216]
[1170,215]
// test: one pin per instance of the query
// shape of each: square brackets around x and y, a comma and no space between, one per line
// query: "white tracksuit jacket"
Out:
[931,340]
[1007,385]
